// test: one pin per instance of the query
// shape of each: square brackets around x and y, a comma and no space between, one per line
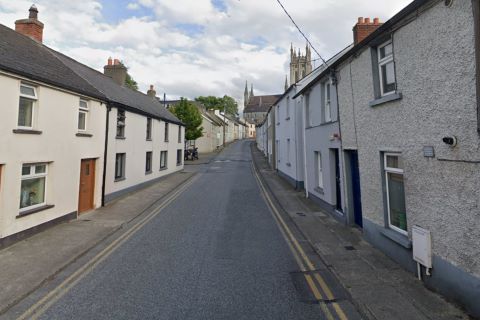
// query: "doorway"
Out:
[354,189]
[87,185]
[338,186]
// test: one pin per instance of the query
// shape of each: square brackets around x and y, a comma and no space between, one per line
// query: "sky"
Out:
[189,48]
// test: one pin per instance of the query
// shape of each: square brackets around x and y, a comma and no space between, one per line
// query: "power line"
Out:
[301,32]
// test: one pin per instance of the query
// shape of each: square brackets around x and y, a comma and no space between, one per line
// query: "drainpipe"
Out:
[105,152]
[304,127]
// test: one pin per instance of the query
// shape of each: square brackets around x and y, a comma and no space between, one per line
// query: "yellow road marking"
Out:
[290,239]
[53,296]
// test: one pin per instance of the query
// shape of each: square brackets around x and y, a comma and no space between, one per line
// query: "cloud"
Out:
[198,47]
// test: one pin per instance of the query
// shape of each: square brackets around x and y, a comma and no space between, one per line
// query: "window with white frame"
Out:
[166,131]
[386,68]
[33,186]
[397,215]
[120,159]
[26,108]
[82,115]
[179,134]
[327,109]
[163,159]
[318,170]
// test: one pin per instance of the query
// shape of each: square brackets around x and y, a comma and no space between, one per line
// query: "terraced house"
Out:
[392,140]
[72,138]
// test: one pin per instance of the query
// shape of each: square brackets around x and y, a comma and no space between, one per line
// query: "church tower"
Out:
[300,65]
[245,95]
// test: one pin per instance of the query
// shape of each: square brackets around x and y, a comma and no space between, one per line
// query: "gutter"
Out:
[105,152]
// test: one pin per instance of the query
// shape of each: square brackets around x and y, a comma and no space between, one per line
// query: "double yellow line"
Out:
[304,263]
[39,308]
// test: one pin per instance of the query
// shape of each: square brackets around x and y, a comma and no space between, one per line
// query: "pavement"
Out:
[378,287]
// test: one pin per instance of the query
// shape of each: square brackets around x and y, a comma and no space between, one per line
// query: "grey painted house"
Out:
[408,108]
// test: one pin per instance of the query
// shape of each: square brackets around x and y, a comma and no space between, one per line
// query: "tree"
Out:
[189,114]
[130,83]
[216,103]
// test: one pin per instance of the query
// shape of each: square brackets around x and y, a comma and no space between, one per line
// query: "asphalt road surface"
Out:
[213,253]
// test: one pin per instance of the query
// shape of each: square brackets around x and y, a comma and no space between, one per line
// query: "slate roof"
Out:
[261,103]
[26,57]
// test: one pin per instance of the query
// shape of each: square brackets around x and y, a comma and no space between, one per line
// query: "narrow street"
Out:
[214,253]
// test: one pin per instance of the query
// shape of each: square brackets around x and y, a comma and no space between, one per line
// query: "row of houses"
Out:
[71,138]
[218,128]
[385,137]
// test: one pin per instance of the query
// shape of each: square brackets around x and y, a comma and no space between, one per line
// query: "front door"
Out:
[338,187]
[87,185]
[356,192]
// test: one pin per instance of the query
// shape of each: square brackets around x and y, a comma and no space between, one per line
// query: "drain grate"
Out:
[350,248]
[301,214]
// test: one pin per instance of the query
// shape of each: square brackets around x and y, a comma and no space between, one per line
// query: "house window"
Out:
[397,216]
[386,68]
[148,162]
[120,159]
[166,131]
[163,160]
[326,102]
[288,108]
[179,134]
[121,124]
[33,187]
[288,152]
[318,170]
[179,157]
[82,115]
[28,98]
[308,114]
[149,128]
[278,115]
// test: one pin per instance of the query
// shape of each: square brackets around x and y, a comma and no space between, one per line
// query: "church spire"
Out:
[251,91]
[286,83]
[245,95]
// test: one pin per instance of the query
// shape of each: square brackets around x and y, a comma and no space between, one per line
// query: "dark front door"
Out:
[338,188]
[356,194]
[87,185]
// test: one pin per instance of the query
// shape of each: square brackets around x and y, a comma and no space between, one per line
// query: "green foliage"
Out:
[130,83]
[189,114]
[216,103]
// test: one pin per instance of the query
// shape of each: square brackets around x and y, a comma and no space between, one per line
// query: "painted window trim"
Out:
[383,61]
[34,100]
[165,167]
[148,162]
[84,110]
[387,170]
[35,176]
[149,129]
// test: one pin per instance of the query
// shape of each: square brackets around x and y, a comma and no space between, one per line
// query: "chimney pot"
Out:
[116,62]
[109,61]
[360,20]
[151,87]
[30,27]
[376,20]
[367,20]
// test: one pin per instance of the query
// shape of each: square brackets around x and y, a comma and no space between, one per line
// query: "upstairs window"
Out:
[121,124]
[82,115]
[327,106]
[386,68]
[179,134]
[28,98]
[33,187]
[149,128]
[288,109]
[166,131]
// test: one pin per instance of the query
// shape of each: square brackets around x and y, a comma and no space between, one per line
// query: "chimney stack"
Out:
[364,28]
[151,92]
[30,27]
[117,71]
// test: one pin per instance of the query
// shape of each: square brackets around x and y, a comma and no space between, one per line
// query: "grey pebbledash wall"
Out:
[434,56]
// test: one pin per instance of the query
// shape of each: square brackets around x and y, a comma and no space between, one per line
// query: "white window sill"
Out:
[397,237]
[84,134]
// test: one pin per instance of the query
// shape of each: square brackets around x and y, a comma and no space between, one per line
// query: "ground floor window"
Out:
[318,170]
[148,162]
[163,160]
[120,159]
[179,157]
[397,215]
[33,186]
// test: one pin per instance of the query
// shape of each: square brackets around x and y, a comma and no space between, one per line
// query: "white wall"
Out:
[135,146]
[56,115]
